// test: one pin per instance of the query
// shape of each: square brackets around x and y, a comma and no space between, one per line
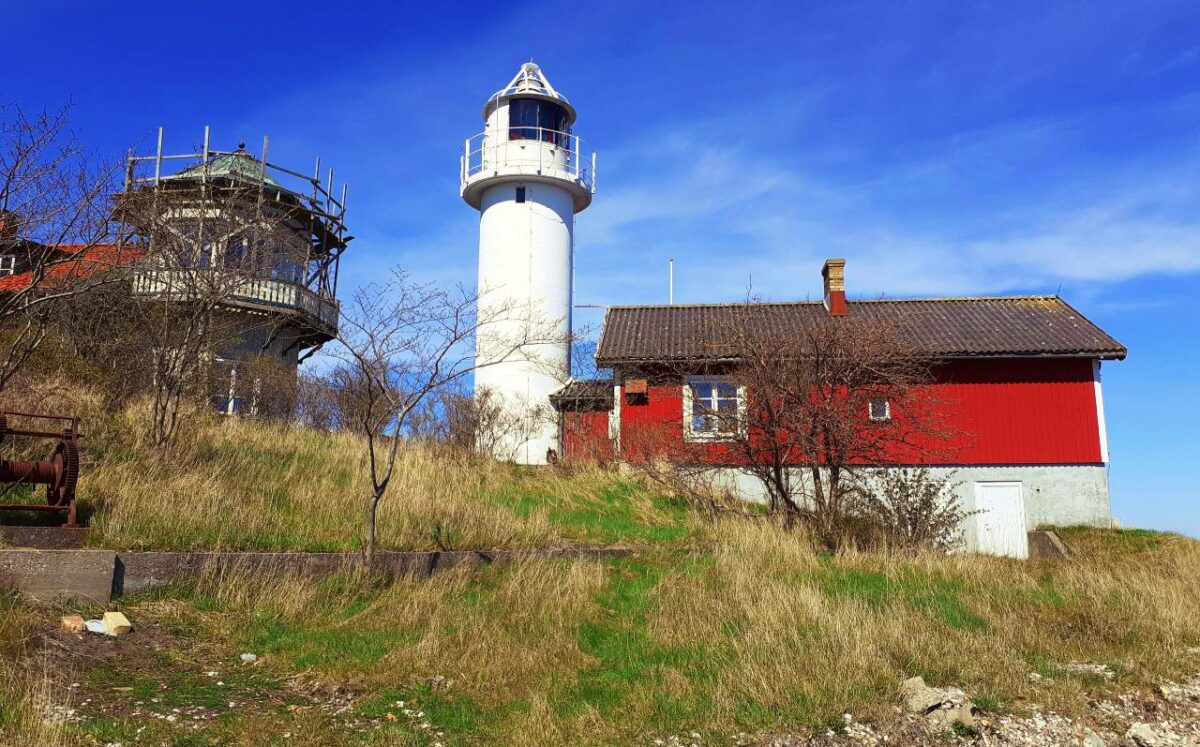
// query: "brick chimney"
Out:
[834,274]
[10,225]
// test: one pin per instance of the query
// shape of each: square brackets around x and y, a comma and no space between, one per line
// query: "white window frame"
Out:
[887,409]
[8,264]
[692,435]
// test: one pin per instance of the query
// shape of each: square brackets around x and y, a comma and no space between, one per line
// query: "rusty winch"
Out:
[59,473]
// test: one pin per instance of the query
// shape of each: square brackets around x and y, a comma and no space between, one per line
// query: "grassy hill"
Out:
[238,484]
[718,626]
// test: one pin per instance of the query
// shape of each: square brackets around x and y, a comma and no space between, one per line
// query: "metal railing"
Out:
[262,293]
[317,196]
[552,153]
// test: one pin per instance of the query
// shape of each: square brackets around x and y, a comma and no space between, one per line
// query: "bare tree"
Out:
[915,509]
[402,342]
[318,403]
[54,213]
[823,404]
[810,410]
[497,429]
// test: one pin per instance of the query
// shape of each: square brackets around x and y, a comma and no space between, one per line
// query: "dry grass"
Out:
[758,633]
[234,483]
[978,622]
[26,692]
[716,627]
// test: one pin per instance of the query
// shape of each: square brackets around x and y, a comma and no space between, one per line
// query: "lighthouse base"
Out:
[515,429]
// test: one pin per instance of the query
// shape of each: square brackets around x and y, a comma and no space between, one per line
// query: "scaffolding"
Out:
[306,199]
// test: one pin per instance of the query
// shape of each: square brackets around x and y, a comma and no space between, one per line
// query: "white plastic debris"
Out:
[249,658]
[95,626]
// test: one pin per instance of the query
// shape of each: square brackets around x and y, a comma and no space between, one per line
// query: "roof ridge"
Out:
[945,326]
[729,304]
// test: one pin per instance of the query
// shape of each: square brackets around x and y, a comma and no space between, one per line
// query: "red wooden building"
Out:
[1018,384]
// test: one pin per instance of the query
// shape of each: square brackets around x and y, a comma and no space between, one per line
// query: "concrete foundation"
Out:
[99,575]
[53,575]
[139,571]
[44,538]
[1054,495]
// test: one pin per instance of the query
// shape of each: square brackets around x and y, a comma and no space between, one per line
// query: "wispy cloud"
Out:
[1183,58]
[735,213]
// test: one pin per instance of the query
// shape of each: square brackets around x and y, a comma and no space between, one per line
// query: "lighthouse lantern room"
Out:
[528,175]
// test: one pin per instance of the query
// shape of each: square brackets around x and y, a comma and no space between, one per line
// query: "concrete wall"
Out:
[59,575]
[1059,495]
[99,575]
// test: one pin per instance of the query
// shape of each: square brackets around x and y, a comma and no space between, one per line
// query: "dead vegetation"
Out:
[758,634]
[232,483]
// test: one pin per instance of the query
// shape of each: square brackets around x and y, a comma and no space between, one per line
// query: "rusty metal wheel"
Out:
[65,459]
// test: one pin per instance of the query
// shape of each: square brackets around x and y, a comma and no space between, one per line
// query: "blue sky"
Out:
[949,149]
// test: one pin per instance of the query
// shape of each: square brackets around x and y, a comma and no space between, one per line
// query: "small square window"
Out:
[8,264]
[520,194]
[880,409]
[712,408]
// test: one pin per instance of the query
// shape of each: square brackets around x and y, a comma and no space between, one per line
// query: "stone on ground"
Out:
[1142,735]
[941,706]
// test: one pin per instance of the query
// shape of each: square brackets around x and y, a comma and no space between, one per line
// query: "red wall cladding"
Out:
[585,437]
[1013,411]
[1001,411]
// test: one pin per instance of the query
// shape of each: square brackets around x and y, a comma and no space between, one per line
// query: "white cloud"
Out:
[735,212]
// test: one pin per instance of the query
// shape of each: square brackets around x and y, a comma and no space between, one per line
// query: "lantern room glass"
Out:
[534,119]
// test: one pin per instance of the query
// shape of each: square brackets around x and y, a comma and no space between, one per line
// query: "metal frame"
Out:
[59,473]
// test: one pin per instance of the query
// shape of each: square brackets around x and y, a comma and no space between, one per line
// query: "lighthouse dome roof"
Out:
[529,82]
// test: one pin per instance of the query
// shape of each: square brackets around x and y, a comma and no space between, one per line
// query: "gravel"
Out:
[1167,717]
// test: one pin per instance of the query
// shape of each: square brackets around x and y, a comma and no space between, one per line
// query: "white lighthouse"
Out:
[528,175]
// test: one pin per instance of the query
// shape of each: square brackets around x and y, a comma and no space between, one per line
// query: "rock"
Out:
[1089,668]
[74,623]
[116,623]
[1092,739]
[919,697]
[942,706]
[1142,735]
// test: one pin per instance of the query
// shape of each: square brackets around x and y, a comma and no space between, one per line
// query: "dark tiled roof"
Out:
[587,393]
[943,327]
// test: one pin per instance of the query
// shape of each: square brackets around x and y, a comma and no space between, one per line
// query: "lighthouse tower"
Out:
[528,175]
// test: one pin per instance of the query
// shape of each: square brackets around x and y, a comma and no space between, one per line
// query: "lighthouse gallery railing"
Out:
[480,156]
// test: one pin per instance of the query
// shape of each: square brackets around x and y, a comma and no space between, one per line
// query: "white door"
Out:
[1000,523]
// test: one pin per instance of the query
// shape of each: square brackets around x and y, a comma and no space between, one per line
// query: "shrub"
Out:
[914,509]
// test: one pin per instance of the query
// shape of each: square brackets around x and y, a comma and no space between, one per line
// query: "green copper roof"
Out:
[238,165]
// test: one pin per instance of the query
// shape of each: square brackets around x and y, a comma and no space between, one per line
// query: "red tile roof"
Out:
[85,261]
[943,327]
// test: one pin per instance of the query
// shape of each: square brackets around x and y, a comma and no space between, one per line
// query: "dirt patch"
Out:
[161,685]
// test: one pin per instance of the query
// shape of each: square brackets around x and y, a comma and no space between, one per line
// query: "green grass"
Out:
[303,647]
[608,517]
[635,662]
[943,599]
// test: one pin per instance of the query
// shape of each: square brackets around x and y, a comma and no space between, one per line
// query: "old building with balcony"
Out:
[259,242]
[254,245]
